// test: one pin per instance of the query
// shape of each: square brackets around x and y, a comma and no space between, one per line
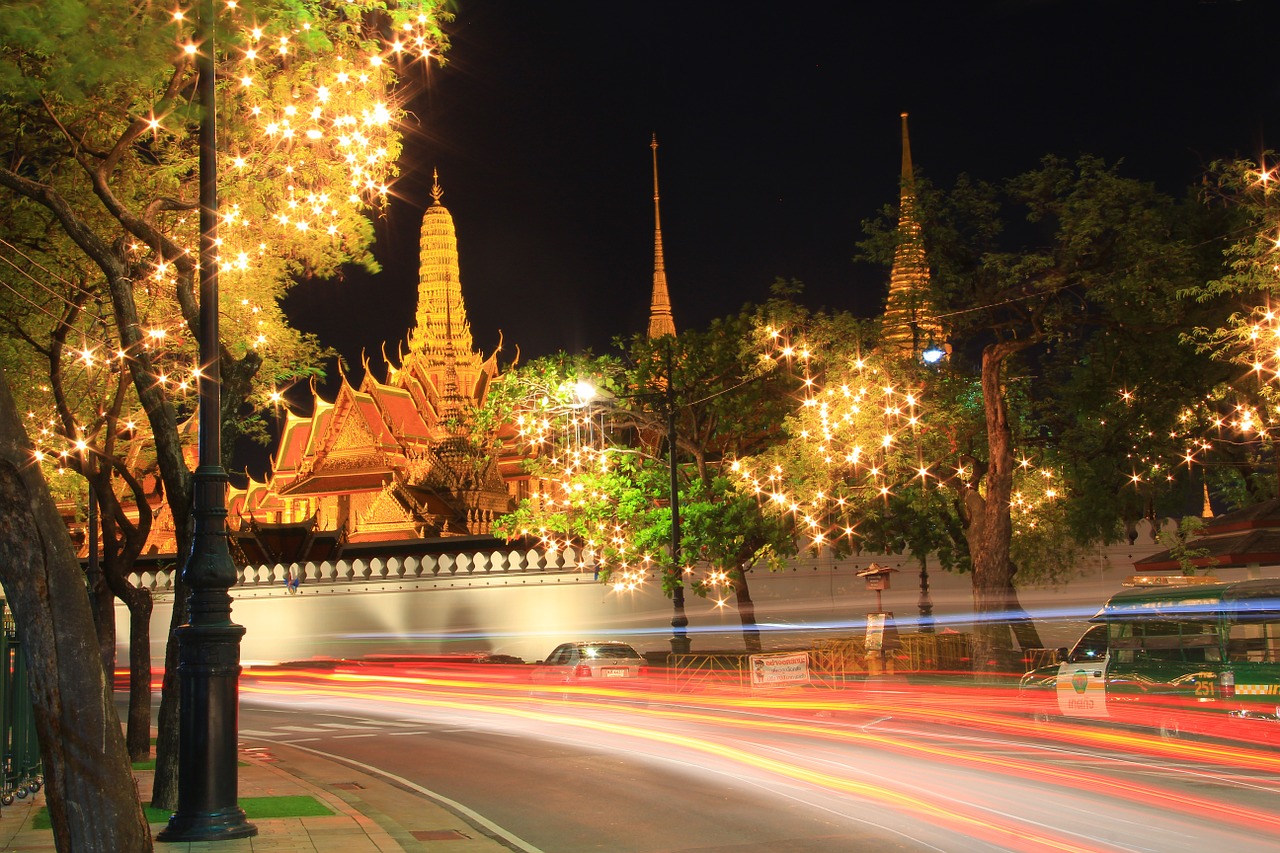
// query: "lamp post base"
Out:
[208,826]
[208,672]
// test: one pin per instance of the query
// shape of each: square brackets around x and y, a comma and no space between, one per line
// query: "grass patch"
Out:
[255,808]
[303,805]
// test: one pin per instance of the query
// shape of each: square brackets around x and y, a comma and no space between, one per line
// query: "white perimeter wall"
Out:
[526,613]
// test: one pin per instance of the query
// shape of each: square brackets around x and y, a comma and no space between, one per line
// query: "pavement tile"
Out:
[372,815]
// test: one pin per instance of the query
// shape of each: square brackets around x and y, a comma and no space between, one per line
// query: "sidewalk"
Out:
[371,814]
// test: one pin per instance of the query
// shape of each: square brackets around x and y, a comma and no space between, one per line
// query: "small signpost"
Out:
[882,634]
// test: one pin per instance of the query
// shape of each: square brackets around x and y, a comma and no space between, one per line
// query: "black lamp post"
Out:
[680,643]
[209,644]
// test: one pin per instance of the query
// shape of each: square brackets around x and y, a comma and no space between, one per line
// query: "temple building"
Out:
[394,459]
[910,325]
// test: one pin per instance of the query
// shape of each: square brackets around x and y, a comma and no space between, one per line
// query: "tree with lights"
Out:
[101,150]
[603,456]
[862,463]
[1233,430]
[1060,288]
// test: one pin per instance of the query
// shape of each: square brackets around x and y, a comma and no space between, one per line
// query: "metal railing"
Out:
[831,661]
[19,748]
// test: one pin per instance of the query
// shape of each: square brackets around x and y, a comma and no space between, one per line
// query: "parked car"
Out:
[591,661]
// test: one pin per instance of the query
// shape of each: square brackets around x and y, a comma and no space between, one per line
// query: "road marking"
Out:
[349,737]
[363,728]
[404,734]
[299,729]
[256,733]
[301,740]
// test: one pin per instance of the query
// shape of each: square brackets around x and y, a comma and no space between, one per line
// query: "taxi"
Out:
[1174,653]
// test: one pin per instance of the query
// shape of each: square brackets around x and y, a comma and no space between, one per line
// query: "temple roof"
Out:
[1245,537]
[339,482]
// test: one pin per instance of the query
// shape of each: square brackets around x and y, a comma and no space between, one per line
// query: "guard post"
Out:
[882,634]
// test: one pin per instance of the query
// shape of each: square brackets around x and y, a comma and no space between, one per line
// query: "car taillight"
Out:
[581,671]
[1227,684]
[642,671]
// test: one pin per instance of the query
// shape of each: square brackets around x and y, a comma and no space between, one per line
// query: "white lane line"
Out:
[513,840]
[256,733]
[349,737]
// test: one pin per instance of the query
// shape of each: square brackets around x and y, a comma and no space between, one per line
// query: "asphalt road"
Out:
[657,773]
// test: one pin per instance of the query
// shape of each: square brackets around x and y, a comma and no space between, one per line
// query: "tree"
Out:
[98,135]
[88,780]
[864,459]
[1062,283]
[1233,430]
[605,458]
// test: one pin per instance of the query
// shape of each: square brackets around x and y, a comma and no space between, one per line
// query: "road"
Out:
[563,770]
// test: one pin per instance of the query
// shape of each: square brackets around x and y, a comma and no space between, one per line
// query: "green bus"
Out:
[1174,653]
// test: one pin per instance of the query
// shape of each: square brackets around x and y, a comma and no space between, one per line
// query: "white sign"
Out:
[779,670]
[875,632]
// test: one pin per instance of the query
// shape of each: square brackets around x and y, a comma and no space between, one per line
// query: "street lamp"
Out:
[585,392]
[680,643]
[209,644]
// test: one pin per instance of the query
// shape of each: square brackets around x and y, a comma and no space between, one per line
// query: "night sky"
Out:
[779,134]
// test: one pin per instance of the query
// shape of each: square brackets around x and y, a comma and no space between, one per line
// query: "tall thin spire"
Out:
[441,315]
[661,322]
[909,324]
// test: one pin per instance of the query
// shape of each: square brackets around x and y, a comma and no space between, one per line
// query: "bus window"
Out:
[1092,646]
[1254,641]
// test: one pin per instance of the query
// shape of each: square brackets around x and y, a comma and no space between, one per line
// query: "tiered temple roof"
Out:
[393,459]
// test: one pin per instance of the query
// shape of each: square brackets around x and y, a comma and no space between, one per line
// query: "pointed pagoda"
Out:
[397,459]
[661,321]
[910,324]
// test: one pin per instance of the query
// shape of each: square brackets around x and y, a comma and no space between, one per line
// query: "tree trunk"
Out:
[104,621]
[89,786]
[1024,629]
[164,785]
[746,611]
[990,533]
[138,729]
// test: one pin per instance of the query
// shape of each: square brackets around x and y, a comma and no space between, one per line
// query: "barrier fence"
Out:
[830,661]
[19,749]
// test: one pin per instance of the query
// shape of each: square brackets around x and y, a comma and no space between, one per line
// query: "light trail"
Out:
[765,736]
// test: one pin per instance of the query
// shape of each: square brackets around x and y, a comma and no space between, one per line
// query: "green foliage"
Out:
[1177,541]
[603,461]
[99,127]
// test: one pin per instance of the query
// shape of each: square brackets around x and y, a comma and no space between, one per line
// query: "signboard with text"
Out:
[779,670]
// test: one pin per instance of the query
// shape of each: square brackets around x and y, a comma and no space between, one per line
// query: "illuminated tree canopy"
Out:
[99,237]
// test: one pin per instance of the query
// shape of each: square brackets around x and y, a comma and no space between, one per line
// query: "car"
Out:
[592,661]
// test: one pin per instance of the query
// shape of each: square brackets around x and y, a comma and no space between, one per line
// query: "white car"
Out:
[591,662]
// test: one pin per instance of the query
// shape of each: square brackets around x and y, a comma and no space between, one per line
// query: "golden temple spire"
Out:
[442,315]
[909,323]
[661,321]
